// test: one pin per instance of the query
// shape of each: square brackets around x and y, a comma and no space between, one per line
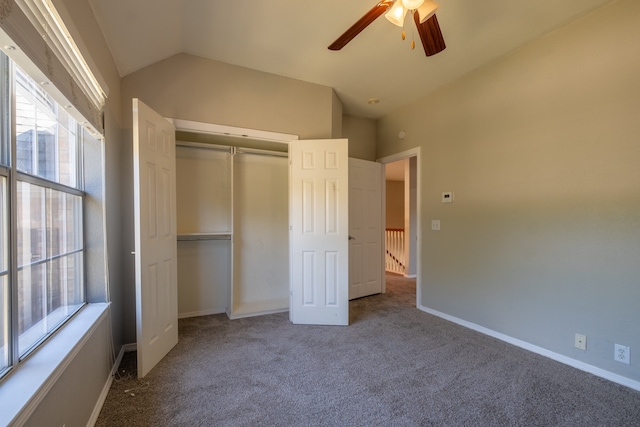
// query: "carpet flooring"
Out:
[393,366]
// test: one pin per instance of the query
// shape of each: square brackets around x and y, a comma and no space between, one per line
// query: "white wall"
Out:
[204,277]
[541,149]
[260,234]
[203,194]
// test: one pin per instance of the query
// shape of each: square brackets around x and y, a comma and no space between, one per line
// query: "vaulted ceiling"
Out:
[290,38]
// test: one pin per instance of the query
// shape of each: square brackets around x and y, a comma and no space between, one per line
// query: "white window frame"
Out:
[13,175]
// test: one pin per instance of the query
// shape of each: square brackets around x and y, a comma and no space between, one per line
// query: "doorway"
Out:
[402,227]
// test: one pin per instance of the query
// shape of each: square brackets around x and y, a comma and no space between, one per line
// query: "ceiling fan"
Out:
[423,12]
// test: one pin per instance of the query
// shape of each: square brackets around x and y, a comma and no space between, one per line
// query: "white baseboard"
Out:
[201,313]
[129,347]
[232,316]
[619,379]
[105,391]
[410,276]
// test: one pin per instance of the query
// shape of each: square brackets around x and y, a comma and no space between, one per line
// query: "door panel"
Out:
[154,177]
[366,261]
[319,232]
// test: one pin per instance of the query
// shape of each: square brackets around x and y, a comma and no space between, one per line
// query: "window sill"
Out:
[24,389]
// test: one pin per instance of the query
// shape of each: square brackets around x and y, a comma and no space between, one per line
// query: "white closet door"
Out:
[154,178]
[319,232]
[366,266]
[260,235]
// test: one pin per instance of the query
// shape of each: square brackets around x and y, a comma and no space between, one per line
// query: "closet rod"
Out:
[231,149]
[185,144]
[242,150]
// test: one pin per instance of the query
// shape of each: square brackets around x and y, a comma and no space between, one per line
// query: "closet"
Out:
[232,224]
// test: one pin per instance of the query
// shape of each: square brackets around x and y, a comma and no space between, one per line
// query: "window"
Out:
[42,247]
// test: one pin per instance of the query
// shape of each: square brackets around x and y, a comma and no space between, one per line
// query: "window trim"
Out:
[21,28]
[44,16]
[25,54]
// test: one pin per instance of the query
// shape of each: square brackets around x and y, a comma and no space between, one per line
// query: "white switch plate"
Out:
[435,224]
[447,197]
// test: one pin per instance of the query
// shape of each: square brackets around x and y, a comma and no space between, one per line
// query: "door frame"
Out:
[232,131]
[402,155]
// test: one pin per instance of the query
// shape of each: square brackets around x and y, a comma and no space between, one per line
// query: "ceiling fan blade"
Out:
[430,34]
[361,24]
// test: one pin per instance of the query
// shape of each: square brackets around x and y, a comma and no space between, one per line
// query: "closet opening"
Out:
[232,219]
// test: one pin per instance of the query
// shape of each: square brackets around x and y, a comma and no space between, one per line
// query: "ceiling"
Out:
[290,38]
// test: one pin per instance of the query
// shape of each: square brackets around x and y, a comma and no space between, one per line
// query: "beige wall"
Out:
[72,399]
[395,204]
[361,133]
[193,88]
[541,149]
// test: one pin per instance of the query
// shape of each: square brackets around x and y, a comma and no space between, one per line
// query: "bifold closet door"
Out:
[203,208]
[260,234]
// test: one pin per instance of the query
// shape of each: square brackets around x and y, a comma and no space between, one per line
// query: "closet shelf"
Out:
[203,236]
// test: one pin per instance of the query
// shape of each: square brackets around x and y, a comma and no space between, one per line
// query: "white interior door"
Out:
[366,259]
[154,177]
[319,198]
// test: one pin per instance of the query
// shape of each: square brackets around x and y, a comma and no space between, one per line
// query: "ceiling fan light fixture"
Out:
[396,13]
[427,10]
[412,4]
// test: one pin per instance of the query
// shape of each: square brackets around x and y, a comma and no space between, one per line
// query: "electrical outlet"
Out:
[581,341]
[435,224]
[621,353]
